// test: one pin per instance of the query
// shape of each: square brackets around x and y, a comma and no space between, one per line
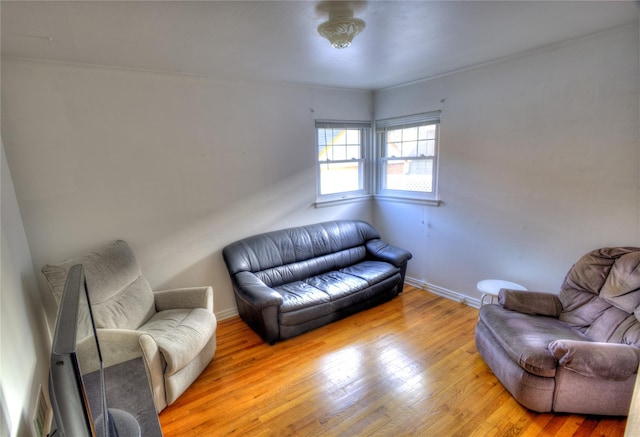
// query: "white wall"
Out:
[177,165]
[24,338]
[539,163]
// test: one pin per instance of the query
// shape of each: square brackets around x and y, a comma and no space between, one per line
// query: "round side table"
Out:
[490,288]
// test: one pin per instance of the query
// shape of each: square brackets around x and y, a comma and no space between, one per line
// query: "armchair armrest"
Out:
[530,302]
[255,292]
[387,252]
[602,360]
[119,345]
[154,363]
[193,297]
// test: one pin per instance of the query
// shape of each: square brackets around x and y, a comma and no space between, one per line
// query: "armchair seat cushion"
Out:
[525,338]
[180,334]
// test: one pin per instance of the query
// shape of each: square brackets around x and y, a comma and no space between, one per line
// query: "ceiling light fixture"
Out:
[341,28]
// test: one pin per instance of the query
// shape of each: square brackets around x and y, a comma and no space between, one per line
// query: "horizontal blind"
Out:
[328,124]
[408,121]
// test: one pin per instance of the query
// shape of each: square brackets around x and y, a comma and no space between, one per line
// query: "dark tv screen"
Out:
[76,378]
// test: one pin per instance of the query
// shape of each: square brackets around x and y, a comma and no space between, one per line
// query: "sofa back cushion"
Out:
[601,295]
[291,254]
[287,273]
[120,296]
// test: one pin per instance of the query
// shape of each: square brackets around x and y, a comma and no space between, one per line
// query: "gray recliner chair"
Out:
[576,352]
[174,331]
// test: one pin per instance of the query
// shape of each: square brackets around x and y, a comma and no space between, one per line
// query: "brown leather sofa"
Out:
[577,351]
[293,280]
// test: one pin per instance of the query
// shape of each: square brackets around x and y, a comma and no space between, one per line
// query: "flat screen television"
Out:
[77,387]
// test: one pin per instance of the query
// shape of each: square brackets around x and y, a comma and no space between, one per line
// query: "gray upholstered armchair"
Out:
[174,331]
[575,352]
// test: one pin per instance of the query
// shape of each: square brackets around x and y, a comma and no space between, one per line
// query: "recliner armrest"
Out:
[154,363]
[611,361]
[387,252]
[119,345]
[192,297]
[255,292]
[530,302]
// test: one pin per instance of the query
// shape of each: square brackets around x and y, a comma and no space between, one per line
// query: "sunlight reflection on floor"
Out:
[400,373]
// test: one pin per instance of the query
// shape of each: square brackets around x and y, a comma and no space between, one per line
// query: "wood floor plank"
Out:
[406,367]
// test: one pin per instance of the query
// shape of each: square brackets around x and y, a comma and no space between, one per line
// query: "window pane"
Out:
[427,132]
[402,142]
[336,178]
[394,135]
[339,144]
[411,142]
[328,143]
[353,152]
[409,175]
[410,134]
[426,148]
[353,136]
[422,148]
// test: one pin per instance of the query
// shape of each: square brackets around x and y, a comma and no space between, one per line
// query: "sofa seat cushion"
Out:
[180,334]
[333,285]
[318,289]
[525,338]
[331,309]
[371,271]
[299,294]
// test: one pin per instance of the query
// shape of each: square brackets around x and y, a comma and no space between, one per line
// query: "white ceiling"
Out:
[403,41]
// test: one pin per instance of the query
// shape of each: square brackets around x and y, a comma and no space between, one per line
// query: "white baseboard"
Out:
[226,314]
[440,291]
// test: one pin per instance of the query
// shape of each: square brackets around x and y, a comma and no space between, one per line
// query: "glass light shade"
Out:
[340,31]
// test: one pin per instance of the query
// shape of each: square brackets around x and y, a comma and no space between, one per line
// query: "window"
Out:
[407,151]
[341,153]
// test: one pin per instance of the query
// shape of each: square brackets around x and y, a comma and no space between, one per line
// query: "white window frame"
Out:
[364,190]
[381,129]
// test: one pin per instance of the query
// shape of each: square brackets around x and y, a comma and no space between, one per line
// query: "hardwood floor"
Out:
[407,367]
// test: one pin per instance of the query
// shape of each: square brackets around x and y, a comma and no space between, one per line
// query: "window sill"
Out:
[413,200]
[342,200]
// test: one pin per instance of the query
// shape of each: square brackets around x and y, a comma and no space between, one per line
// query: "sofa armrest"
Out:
[255,292]
[530,302]
[193,297]
[611,361]
[386,252]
